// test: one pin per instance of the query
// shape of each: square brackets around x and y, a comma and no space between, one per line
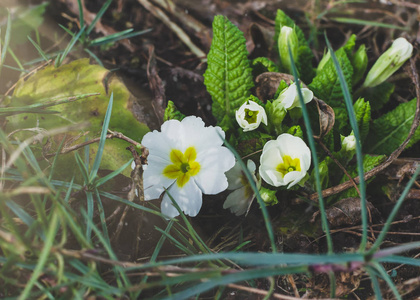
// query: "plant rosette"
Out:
[250,115]
[284,161]
[186,159]
[242,196]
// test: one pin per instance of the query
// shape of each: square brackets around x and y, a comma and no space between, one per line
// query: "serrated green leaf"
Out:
[363,116]
[390,130]
[228,77]
[305,55]
[172,112]
[326,84]
[379,95]
[263,64]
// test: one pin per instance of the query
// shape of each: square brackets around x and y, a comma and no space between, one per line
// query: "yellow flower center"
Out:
[183,166]
[288,165]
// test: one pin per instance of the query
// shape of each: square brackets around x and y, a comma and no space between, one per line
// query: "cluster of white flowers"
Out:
[187,159]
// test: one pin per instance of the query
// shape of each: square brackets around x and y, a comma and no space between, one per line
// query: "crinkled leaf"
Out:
[390,130]
[379,95]
[263,64]
[172,113]
[363,116]
[305,55]
[228,77]
[326,84]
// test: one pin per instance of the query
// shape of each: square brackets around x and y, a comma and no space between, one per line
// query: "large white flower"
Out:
[289,97]
[187,159]
[284,161]
[242,196]
[250,115]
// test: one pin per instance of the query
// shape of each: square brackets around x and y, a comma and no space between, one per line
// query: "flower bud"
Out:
[348,143]
[389,62]
[250,115]
[359,62]
[268,196]
[323,61]
[287,38]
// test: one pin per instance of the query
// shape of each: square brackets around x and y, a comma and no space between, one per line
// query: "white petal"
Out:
[195,134]
[293,178]
[234,177]
[188,198]
[158,144]
[237,202]
[154,181]
[308,95]
[214,163]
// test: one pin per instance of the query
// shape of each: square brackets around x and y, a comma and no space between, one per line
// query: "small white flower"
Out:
[242,196]
[250,115]
[289,97]
[389,62]
[349,143]
[187,159]
[284,160]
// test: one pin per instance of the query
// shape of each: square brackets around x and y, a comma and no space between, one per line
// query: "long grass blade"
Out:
[393,213]
[6,40]
[314,155]
[359,156]
[98,157]
[98,16]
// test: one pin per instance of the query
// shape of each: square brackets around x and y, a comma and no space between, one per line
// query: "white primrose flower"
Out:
[289,97]
[348,143]
[389,62]
[242,196]
[284,161]
[250,115]
[187,159]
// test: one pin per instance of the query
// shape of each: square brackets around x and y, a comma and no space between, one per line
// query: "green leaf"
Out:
[228,77]
[305,55]
[25,21]
[172,112]
[326,84]
[363,116]
[74,79]
[379,95]
[263,64]
[390,130]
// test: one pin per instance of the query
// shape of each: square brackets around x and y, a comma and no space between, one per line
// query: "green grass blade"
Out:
[112,38]
[111,175]
[231,278]
[314,156]
[98,157]
[384,275]
[397,259]
[393,213]
[98,16]
[70,46]
[353,122]
[6,40]
[94,56]
[368,23]
[81,16]
[82,167]
[90,206]
[102,216]
[43,257]
[375,284]
[38,48]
